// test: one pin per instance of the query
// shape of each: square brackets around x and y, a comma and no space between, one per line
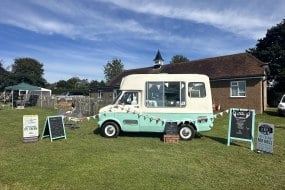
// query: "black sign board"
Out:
[54,128]
[241,125]
[171,128]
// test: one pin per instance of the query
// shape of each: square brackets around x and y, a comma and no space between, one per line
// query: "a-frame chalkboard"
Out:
[241,125]
[54,128]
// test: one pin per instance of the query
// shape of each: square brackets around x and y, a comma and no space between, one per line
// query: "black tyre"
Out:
[186,132]
[110,130]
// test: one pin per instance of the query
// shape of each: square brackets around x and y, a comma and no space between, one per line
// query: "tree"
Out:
[61,84]
[94,84]
[28,70]
[271,50]
[178,59]
[4,79]
[102,83]
[84,84]
[73,83]
[113,69]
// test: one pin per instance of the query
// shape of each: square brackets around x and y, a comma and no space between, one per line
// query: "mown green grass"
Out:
[85,160]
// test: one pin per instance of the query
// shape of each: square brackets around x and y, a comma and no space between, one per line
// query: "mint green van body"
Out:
[150,102]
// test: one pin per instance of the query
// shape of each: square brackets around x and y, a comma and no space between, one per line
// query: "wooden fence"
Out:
[85,105]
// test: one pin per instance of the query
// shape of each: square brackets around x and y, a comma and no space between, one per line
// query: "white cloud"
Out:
[82,19]
[27,17]
[69,18]
[247,18]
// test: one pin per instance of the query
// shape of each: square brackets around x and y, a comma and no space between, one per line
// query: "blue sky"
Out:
[76,38]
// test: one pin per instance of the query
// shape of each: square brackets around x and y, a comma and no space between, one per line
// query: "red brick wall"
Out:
[221,93]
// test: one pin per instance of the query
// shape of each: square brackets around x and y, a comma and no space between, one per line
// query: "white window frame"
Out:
[240,92]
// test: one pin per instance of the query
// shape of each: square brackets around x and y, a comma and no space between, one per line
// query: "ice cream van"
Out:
[150,102]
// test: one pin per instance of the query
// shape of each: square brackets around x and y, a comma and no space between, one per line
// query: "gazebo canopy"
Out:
[23,86]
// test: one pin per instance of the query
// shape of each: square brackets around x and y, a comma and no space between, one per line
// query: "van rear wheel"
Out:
[186,132]
[110,130]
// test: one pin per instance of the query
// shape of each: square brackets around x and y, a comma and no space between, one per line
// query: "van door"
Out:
[128,111]
[154,100]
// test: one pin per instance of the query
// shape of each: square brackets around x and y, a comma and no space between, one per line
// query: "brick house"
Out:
[237,81]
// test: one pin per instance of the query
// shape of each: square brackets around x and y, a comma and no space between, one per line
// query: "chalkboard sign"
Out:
[241,125]
[54,128]
[171,128]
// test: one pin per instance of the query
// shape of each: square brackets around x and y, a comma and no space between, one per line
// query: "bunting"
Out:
[145,116]
[78,118]
[152,118]
[72,118]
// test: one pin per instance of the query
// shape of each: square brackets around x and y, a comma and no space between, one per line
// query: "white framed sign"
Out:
[30,128]
[265,138]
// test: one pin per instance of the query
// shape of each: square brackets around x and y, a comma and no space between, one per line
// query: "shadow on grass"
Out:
[150,135]
[221,140]
[218,139]
[280,127]
[143,134]
[272,112]
[134,134]
[96,131]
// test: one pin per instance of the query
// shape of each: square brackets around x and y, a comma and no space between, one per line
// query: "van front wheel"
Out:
[186,132]
[110,130]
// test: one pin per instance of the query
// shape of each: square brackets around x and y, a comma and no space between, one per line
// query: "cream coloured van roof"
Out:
[137,81]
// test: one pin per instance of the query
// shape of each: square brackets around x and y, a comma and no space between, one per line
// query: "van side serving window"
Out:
[165,94]
[196,90]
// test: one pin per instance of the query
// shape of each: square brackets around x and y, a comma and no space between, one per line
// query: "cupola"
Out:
[158,60]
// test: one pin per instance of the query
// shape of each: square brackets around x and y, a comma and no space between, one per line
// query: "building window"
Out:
[238,89]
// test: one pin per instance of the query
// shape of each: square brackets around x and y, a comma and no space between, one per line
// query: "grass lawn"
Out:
[136,161]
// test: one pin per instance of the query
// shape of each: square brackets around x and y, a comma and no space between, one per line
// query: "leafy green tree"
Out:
[5,75]
[178,59]
[72,83]
[83,84]
[61,84]
[271,50]
[112,69]
[102,83]
[28,70]
[94,84]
